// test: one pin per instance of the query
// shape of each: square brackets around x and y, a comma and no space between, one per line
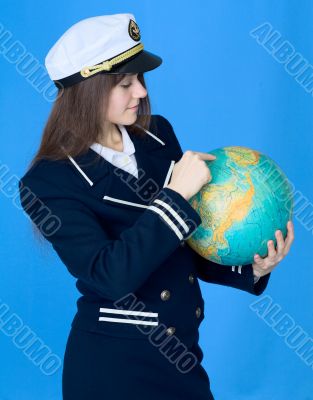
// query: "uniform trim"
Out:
[167,220]
[128,321]
[130,203]
[127,313]
[154,136]
[110,65]
[107,65]
[80,170]
[169,173]
[233,268]
[174,213]
[91,183]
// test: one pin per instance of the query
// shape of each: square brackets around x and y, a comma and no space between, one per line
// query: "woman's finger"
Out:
[290,236]
[271,250]
[280,242]
[205,156]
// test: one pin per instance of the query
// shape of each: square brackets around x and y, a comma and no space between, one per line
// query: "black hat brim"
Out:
[142,62]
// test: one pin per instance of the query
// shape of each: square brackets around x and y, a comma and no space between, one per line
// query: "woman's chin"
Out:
[129,119]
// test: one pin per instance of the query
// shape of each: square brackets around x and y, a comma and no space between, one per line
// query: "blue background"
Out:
[218,87]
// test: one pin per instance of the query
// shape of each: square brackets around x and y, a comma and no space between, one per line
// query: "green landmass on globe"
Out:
[247,200]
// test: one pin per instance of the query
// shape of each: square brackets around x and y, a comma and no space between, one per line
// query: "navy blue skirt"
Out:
[99,367]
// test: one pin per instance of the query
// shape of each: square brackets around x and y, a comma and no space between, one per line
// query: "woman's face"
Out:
[123,97]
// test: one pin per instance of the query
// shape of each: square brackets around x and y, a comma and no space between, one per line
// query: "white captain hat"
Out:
[108,44]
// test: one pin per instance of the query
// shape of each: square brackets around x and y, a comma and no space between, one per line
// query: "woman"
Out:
[114,204]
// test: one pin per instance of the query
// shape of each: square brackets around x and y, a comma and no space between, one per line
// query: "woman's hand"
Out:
[263,266]
[190,173]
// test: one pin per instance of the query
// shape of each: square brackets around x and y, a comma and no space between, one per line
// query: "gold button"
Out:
[165,295]
[191,278]
[170,331]
[198,312]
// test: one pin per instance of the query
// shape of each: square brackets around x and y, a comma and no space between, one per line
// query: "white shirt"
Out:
[125,159]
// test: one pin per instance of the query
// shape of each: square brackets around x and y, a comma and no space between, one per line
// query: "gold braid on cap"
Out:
[107,65]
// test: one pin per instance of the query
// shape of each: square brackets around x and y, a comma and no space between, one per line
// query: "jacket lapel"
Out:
[118,187]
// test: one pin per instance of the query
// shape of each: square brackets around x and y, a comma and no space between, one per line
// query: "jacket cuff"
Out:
[256,279]
[177,212]
[258,287]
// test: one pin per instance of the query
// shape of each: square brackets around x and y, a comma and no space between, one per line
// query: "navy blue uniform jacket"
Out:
[124,240]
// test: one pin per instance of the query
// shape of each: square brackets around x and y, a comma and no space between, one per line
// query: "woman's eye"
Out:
[126,85]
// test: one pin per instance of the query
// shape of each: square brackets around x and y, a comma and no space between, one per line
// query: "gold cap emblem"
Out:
[133,30]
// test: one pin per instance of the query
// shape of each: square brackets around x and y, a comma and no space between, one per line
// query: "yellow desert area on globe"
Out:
[247,200]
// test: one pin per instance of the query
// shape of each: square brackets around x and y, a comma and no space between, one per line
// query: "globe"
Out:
[247,200]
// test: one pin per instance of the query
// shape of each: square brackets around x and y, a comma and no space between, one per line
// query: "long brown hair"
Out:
[76,121]
[77,116]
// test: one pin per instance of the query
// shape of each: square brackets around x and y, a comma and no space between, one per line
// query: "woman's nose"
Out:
[139,90]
